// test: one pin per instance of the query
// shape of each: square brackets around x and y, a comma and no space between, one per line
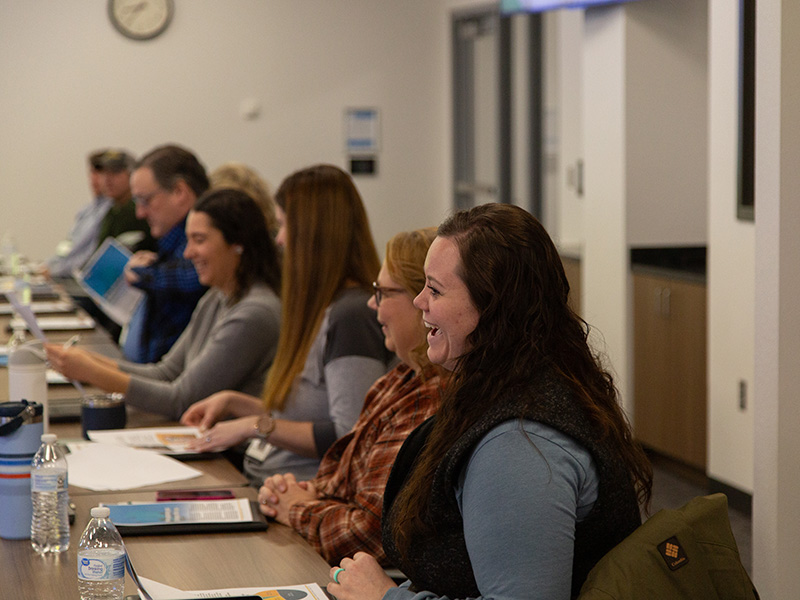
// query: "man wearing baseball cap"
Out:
[121,221]
[81,241]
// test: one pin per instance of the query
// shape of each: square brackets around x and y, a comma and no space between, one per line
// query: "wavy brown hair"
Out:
[328,247]
[405,260]
[241,221]
[516,281]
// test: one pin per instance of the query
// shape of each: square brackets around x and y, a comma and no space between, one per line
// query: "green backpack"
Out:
[676,554]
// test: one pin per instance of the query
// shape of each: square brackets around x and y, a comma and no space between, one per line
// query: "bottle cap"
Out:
[28,354]
[101,512]
[49,438]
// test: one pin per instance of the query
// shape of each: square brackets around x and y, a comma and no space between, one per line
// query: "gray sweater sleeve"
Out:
[215,353]
[520,495]
[349,379]
[353,359]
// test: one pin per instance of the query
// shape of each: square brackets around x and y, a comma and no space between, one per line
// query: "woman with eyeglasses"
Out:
[330,350]
[232,336]
[338,511]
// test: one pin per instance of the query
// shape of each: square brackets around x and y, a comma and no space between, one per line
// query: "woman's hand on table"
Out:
[280,492]
[224,435]
[205,413]
[359,578]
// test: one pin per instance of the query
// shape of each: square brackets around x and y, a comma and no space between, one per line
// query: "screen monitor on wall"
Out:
[512,6]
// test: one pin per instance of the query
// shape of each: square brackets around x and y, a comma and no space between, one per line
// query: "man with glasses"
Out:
[165,183]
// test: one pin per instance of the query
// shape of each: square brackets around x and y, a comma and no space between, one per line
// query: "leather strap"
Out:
[28,412]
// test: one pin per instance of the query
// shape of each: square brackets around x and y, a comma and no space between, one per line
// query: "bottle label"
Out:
[48,481]
[93,567]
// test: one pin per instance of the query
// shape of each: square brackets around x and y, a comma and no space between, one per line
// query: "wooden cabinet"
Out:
[669,316]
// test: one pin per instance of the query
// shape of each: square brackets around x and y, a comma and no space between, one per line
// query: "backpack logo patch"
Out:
[673,554]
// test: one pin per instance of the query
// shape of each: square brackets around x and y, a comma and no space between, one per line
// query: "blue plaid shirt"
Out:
[173,291]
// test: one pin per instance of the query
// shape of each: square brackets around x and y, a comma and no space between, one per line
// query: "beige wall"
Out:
[70,83]
[731,268]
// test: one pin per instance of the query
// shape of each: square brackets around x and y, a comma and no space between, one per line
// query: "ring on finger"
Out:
[336,574]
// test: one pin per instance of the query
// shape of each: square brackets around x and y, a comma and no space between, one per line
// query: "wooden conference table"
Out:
[276,557]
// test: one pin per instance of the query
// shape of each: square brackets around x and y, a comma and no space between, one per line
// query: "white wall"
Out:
[605,267]
[776,501]
[564,120]
[731,267]
[69,83]
[666,112]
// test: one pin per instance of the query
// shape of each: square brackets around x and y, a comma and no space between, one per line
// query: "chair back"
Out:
[689,552]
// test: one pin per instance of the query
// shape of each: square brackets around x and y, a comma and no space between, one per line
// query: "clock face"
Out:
[140,19]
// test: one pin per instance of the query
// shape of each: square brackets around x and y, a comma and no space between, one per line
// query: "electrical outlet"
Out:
[742,394]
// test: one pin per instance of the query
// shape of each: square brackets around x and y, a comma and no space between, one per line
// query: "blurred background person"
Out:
[165,182]
[233,334]
[73,252]
[121,221]
[331,348]
[239,176]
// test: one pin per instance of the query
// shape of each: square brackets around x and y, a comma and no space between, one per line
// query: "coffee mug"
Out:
[102,411]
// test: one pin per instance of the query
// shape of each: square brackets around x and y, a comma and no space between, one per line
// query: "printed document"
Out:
[166,440]
[307,591]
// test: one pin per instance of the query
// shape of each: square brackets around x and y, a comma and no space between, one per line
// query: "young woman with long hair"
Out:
[330,349]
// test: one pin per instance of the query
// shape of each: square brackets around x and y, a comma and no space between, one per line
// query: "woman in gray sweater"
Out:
[231,339]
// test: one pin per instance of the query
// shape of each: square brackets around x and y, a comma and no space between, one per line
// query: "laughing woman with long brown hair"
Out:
[528,474]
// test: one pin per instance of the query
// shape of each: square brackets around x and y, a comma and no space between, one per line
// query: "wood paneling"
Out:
[670,366]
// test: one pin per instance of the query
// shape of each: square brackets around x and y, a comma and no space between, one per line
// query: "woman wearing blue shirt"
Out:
[528,473]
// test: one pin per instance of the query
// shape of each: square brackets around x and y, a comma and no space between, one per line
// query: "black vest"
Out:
[440,563]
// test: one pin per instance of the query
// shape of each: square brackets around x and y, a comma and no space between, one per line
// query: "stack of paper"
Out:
[104,467]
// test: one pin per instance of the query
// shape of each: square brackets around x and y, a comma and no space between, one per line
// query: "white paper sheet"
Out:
[44,306]
[55,323]
[53,377]
[102,467]
[159,591]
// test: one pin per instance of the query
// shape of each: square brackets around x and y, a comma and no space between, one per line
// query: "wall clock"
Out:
[141,19]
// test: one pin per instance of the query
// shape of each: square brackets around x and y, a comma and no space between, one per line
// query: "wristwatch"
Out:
[264,426]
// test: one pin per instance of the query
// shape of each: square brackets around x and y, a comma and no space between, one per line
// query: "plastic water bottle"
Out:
[101,559]
[50,520]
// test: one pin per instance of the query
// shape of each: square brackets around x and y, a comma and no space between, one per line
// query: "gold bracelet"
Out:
[264,430]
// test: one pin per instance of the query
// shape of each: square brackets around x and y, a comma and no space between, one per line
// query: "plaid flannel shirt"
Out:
[353,473]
